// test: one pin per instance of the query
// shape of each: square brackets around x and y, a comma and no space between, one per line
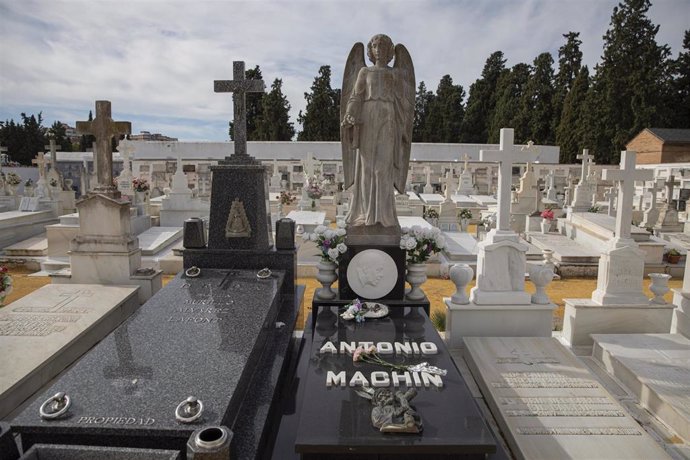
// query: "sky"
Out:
[156,60]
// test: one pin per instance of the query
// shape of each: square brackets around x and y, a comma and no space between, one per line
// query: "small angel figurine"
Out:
[377,111]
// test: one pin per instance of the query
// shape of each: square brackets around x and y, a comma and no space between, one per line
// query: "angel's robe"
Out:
[373,106]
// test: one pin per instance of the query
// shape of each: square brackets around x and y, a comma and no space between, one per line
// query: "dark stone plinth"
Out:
[393,250]
[8,447]
[335,422]
[207,337]
[58,452]
[285,260]
[246,182]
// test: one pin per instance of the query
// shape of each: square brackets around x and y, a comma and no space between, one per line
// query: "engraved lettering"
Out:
[593,431]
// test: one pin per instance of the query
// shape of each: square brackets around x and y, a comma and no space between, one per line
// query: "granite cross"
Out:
[239,87]
[40,161]
[626,177]
[104,129]
[584,157]
[505,157]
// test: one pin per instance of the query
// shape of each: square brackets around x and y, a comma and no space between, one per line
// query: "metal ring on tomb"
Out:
[263,273]
[59,403]
[189,406]
[193,272]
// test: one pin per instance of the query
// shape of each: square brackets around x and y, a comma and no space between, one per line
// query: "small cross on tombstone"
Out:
[447,183]
[610,195]
[585,160]
[239,87]
[40,161]
[626,177]
[466,159]
[656,187]
[506,156]
[53,147]
[104,129]
[669,189]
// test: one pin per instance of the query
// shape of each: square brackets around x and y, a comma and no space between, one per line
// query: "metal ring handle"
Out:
[182,413]
[192,272]
[263,273]
[59,403]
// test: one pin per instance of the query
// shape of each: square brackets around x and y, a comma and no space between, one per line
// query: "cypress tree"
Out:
[422,101]
[445,112]
[569,135]
[321,118]
[274,123]
[680,86]
[509,92]
[569,63]
[254,105]
[537,105]
[482,100]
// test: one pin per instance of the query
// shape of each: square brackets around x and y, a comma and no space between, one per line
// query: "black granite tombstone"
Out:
[220,337]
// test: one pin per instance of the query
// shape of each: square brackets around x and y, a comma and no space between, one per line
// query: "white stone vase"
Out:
[541,276]
[416,276]
[460,275]
[659,287]
[29,190]
[545,225]
[141,197]
[12,189]
[326,276]
[464,222]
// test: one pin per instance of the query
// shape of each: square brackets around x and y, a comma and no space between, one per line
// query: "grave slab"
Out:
[432,198]
[16,226]
[484,200]
[549,405]
[603,226]
[654,367]
[203,337]
[565,250]
[460,247]
[45,331]
[36,246]
[309,220]
[411,221]
[334,421]
[153,240]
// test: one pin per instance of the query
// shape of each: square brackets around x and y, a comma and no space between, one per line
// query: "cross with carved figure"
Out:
[40,161]
[585,160]
[239,87]
[626,177]
[506,156]
[104,129]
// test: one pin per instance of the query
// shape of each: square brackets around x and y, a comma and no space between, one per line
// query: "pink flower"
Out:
[357,355]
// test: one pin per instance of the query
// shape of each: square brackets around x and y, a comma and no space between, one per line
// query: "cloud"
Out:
[156,61]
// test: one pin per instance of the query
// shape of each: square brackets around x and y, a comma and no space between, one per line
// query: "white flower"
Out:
[306,236]
[435,231]
[320,229]
[333,253]
[440,241]
[313,236]
[328,234]
[341,223]
[417,230]
[405,230]
[410,244]
[341,232]
[341,248]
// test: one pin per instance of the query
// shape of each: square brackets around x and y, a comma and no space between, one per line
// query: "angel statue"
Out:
[377,110]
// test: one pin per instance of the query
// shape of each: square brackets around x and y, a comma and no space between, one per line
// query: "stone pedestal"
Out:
[506,320]
[583,198]
[621,269]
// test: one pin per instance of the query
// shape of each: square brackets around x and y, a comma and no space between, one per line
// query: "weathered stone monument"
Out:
[124,181]
[582,199]
[651,214]
[466,184]
[180,203]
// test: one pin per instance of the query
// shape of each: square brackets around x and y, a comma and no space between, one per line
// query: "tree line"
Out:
[637,84]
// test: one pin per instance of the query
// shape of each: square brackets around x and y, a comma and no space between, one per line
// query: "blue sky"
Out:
[156,60]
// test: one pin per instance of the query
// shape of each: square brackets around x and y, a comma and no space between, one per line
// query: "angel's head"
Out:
[380,48]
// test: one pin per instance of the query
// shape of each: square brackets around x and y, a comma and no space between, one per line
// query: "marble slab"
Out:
[460,247]
[603,226]
[153,240]
[463,201]
[45,331]
[678,239]
[484,200]
[308,219]
[35,246]
[432,198]
[549,405]
[411,221]
[564,249]
[654,367]
[414,197]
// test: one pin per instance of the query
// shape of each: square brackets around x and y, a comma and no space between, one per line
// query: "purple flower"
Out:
[326,243]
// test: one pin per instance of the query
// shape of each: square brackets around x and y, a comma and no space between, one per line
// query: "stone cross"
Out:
[669,189]
[104,129]
[656,186]
[610,195]
[126,150]
[626,177]
[40,161]
[447,182]
[239,87]
[466,159]
[585,160]
[507,154]
[3,150]
[53,147]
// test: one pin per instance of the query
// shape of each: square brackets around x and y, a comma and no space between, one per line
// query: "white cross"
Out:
[41,163]
[610,195]
[447,182]
[669,188]
[585,158]
[126,149]
[505,157]
[466,159]
[626,177]
[656,186]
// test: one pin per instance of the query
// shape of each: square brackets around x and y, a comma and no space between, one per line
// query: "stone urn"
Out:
[545,225]
[464,222]
[12,189]
[416,276]
[29,190]
[326,276]
[659,287]
[541,276]
[140,196]
[460,275]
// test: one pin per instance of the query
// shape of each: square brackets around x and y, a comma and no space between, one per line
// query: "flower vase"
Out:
[460,275]
[313,205]
[141,197]
[416,276]
[12,189]
[326,276]
[464,222]
[29,190]
[659,287]
[540,275]
[545,225]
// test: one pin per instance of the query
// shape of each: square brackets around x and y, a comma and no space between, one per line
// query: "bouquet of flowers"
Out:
[140,184]
[29,183]
[354,311]
[330,242]
[13,178]
[370,355]
[465,213]
[5,284]
[314,190]
[547,214]
[287,198]
[420,243]
[431,213]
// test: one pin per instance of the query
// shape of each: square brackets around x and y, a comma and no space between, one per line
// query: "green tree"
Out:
[445,112]
[680,86]
[254,105]
[25,140]
[482,100]
[510,91]
[274,123]
[87,140]
[59,131]
[569,63]
[422,102]
[569,135]
[631,84]
[321,118]
[537,102]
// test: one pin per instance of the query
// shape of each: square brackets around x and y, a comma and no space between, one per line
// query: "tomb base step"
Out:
[35,246]
[655,368]
[53,265]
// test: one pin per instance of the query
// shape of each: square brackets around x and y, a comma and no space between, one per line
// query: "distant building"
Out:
[661,145]
[148,136]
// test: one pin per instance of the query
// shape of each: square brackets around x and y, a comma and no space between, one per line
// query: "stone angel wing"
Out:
[355,62]
[404,105]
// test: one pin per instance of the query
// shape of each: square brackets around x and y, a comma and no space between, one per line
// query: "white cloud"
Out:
[157,60]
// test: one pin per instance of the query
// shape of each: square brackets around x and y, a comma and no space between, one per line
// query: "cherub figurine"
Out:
[377,111]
